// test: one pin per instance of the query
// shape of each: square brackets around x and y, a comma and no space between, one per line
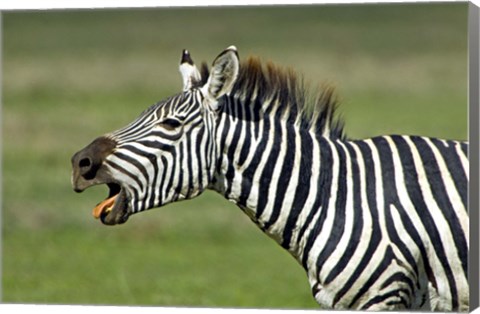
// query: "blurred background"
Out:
[70,76]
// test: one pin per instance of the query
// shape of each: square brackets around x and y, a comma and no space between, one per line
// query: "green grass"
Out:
[147,265]
[69,76]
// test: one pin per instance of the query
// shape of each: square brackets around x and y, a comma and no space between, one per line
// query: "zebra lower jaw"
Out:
[114,209]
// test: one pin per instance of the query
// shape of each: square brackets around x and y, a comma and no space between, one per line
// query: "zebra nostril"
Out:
[87,168]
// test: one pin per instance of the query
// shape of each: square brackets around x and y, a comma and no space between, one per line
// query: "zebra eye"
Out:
[170,124]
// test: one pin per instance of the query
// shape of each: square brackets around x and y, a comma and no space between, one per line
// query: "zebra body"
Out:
[377,224]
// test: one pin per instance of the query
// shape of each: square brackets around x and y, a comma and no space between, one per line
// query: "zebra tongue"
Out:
[104,206]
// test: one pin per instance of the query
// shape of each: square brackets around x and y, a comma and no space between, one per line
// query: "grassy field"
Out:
[69,76]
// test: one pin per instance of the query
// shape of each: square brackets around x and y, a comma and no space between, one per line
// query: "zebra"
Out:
[377,224]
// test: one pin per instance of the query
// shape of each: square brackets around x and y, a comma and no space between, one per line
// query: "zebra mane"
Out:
[285,89]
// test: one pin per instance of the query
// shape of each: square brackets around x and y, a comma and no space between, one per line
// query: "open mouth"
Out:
[114,209]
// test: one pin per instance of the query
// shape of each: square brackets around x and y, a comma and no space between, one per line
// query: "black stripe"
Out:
[302,189]
[384,297]
[135,197]
[249,172]
[163,160]
[198,154]
[162,135]
[246,145]
[178,187]
[338,227]
[284,177]
[320,196]
[237,115]
[210,152]
[257,110]
[223,137]
[230,174]
[152,184]
[357,218]
[267,173]
[402,278]
[397,303]
[173,173]
[157,145]
[313,210]
[325,186]
[187,153]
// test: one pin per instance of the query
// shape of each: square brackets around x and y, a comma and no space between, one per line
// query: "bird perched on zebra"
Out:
[377,224]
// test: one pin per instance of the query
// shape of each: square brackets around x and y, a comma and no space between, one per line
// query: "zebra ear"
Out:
[189,71]
[224,73]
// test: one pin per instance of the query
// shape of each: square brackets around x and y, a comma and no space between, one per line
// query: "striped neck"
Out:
[267,144]
[266,167]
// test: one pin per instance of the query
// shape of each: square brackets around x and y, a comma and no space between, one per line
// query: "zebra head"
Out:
[168,153]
